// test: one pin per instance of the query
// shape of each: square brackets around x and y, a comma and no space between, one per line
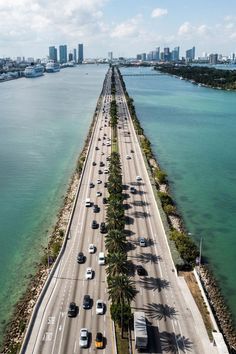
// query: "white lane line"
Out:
[75,347]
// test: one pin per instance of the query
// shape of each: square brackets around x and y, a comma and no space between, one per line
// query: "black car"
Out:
[104,200]
[140,270]
[99,139]
[99,172]
[105,184]
[96,148]
[102,164]
[96,209]
[103,228]
[72,311]
[91,185]
[94,163]
[80,257]
[94,224]
[86,302]
[132,190]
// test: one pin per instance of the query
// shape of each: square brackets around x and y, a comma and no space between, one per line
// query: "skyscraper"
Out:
[53,53]
[190,54]
[63,53]
[175,54]
[167,54]
[80,53]
[75,55]
[110,56]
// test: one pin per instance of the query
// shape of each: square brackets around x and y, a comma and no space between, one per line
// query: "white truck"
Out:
[140,331]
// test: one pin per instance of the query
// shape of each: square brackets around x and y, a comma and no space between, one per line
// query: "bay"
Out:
[192,130]
[43,125]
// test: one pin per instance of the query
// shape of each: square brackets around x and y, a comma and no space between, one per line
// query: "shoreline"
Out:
[175,221]
[15,328]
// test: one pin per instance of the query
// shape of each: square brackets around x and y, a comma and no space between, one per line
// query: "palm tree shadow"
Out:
[140,214]
[129,220]
[148,257]
[150,283]
[128,232]
[139,203]
[160,311]
[171,342]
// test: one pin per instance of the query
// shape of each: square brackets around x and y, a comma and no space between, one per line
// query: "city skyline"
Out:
[28,28]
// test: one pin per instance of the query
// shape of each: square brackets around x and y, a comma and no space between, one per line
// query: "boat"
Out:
[52,67]
[34,70]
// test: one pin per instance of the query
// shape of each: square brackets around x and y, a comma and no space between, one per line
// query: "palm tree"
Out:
[116,263]
[115,241]
[115,218]
[121,291]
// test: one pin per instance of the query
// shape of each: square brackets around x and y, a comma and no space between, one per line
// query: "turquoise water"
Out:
[193,132]
[43,124]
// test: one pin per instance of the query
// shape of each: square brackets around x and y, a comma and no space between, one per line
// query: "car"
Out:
[132,151]
[99,172]
[98,194]
[96,148]
[128,157]
[94,163]
[72,310]
[104,200]
[105,184]
[91,185]
[108,143]
[83,338]
[103,228]
[99,139]
[105,134]
[80,257]
[99,340]
[86,302]
[138,178]
[96,208]
[105,125]
[91,248]
[106,170]
[101,164]
[140,270]
[108,158]
[100,307]
[89,273]
[104,138]
[99,181]
[132,190]
[142,242]
[94,224]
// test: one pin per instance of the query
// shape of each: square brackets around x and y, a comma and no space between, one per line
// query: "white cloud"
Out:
[187,30]
[158,12]
[130,28]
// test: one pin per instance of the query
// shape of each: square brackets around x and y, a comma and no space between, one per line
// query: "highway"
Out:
[53,331]
[172,326]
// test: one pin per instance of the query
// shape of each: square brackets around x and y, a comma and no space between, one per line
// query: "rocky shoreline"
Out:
[15,329]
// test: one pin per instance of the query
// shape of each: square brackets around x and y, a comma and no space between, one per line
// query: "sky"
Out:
[125,27]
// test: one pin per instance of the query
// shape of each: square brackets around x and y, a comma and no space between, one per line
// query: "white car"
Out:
[83,338]
[128,157]
[106,170]
[142,242]
[99,181]
[98,194]
[89,273]
[91,248]
[138,178]
[100,307]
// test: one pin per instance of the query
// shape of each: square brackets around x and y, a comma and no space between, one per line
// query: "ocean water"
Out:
[43,124]
[193,134]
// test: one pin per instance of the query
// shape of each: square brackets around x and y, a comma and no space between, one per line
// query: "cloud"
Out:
[187,30]
[128,28]
[158,12]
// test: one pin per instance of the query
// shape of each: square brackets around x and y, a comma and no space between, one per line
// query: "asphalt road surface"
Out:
[172,327]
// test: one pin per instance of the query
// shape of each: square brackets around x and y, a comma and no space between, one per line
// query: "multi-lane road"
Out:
[172,326]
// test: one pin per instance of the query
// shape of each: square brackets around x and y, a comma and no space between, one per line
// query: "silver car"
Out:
[84,338]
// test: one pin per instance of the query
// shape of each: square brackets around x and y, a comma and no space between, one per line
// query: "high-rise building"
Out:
[139,57]
[70,57]
[143,57]
[53,53]
[213,59]
[110,56]
[74,55]
[175,54]
[63,53]
[190,54]
[80,53]
[167,54]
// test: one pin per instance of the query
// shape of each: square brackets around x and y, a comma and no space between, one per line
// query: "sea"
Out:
[43,124]
[193,134]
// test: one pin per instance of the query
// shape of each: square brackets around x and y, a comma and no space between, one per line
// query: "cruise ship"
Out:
[34,70]
[52,67]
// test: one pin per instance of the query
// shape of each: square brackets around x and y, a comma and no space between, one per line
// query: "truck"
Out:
[140,331]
